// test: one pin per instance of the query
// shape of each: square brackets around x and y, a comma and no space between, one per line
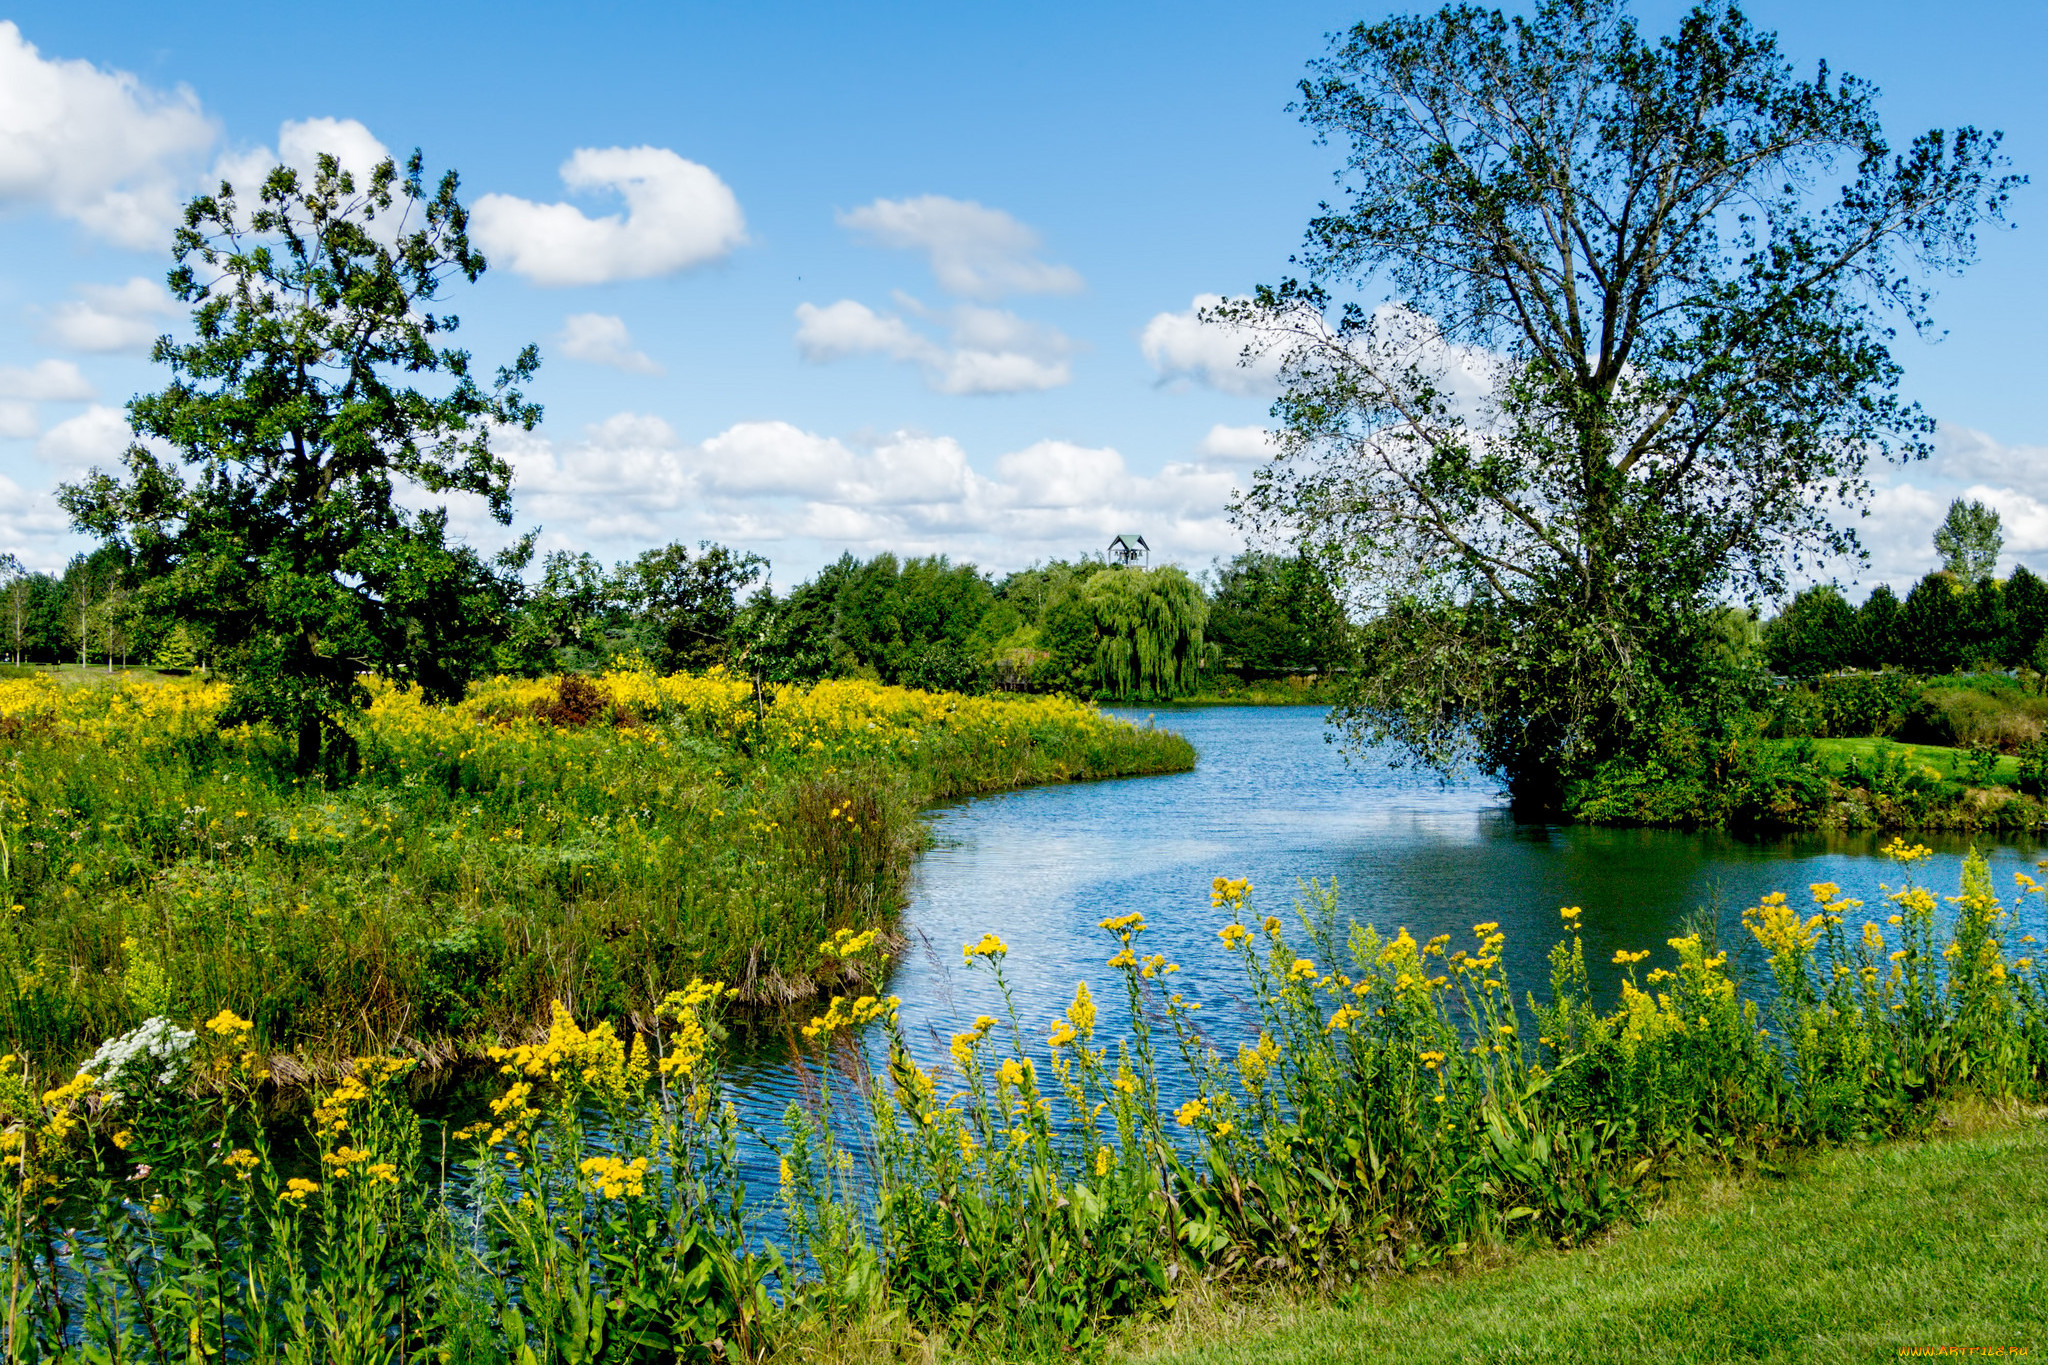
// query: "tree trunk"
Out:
[309,744]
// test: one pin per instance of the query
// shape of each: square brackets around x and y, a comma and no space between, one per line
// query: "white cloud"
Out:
[987,350]
[803,496]
[1183,347]
[35,528]
[97,147]
[96,436]
[601,339]
[975,252]
[679,214]
[1964,453]
[46,381]
[1908,502]
[1236,443]
[111,317]
[848,328]
[23,387]
[301,143]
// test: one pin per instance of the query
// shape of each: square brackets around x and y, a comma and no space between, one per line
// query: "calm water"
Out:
[1271,800]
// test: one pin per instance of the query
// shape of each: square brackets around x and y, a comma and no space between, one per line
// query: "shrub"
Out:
[577,702]
[2001,716]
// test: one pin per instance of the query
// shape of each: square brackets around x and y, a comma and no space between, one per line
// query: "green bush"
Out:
[1964,712]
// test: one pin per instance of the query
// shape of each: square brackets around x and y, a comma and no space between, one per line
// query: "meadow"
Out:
[598,843]
[1398,1108]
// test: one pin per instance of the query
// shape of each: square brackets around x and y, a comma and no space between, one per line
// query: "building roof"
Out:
[1130,540]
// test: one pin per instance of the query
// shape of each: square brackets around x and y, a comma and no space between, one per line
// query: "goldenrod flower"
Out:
[989,947]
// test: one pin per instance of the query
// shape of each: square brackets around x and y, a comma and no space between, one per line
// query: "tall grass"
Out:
[600,845]
[1396,1107]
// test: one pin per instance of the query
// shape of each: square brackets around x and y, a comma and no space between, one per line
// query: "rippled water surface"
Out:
[1271,800]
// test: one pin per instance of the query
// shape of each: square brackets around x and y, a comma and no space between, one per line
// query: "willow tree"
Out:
[315,400]
[1598,331]
[1148,632]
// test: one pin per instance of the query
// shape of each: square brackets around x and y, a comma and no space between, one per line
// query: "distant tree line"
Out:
[86,614]
[1080,626]
[1958,617]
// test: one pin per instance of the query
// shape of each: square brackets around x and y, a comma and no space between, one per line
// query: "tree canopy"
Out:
[298,415]
[1598,328]
[1968,540]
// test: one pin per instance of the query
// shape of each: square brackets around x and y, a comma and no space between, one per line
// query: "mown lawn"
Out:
[1838,752]
[89,675]
[1858,1255]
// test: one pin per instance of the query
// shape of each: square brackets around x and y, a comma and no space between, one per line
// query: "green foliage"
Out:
[1993,711]
[599,842]
[1845,706]
[1877,628]
[294,407]
[1275,614]
[1658,417]
[884,619]
[1968,541]
[177,650]
[685,607]
[1148,632]
[1396,1107]
[1815,634]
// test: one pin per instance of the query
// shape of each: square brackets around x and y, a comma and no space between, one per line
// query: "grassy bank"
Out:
[1853,1254]
[1307,690]
[540,842]
[1034,1192]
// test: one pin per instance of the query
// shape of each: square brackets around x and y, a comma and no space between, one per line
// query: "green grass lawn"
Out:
[84,675]
[1857,1254]
[1837,752]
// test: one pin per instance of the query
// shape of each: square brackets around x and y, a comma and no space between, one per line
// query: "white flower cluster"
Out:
[158,1047]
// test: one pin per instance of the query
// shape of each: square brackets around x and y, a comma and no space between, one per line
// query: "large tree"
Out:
[317,385]
[1598,329]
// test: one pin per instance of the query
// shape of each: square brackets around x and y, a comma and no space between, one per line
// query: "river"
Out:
[1271,800]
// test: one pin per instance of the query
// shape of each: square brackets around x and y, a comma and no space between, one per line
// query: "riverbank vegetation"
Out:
[1882,749]
[1396,1109]
[598,842]
[1917,1247]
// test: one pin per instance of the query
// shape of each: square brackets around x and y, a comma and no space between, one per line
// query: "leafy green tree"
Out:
[568,621]
[1934,625]
[787,640]
[1815,634]
[1596,321]
[1276,613]
[1148,632]
[300,410]
[178,650]
[1877,629]
[686,605]
[16,584]
[1968,540]
[92,586]
[2026,616]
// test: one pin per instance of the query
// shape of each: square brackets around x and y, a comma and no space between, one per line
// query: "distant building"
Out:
[1130,549]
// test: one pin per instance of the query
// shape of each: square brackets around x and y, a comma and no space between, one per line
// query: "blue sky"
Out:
[905,276]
